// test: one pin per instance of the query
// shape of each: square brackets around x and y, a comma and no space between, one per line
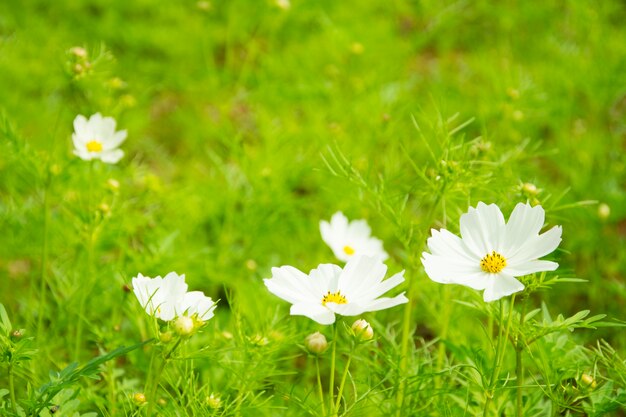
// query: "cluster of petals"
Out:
[350,239]
[167,298]
[490,253]
[330,289]
[96,138]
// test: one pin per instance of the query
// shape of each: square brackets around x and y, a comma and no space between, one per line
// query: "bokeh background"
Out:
[235,112]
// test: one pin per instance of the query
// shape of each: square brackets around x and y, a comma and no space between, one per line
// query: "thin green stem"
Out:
[343,381]
[156,376]
[501,348]
[44,263]
[331,385]
[519,365]
[12,390]
[441,349]
[404,344]
[319,385]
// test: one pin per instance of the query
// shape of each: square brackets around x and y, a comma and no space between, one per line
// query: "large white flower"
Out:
[96,138]
[167,298]
[490,253]
[330,290]
[351,239]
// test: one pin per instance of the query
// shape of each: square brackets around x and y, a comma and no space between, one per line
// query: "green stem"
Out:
[519,365]
[441,350]
[404,343]
[156,376]
[12,390]
[501,348]
[331,385]
[343,381]
[44,263]
[319,385]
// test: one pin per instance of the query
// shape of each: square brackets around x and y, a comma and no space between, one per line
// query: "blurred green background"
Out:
[231,109]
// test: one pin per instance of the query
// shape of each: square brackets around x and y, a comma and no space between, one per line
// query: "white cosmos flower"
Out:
[96,138]
[490,254]
[351,239]
[330,290]
[167,298]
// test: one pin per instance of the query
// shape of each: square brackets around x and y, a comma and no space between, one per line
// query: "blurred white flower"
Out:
[167,298]
[96,138]
[330,290]
[490,253]
[351,239]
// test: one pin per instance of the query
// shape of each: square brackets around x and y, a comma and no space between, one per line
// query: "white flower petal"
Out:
[530,267]
[382,287]
[537,246]
[501,285]
[81,125]
[386,302]
[112,157]
[359,275]
[114,140]
[444,243]
[482,228]
[290,284]
[315,312]
[525,221]
[446,270]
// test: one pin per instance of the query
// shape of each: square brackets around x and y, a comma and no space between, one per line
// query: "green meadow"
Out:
[250,121]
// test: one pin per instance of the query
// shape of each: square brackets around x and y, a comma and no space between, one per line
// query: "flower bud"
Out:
[184,325]
[588,381]
[139,398]
[316,343]
[165,337]
[529,189]
[362,330]
[213,401]
[604,211]
[78,51]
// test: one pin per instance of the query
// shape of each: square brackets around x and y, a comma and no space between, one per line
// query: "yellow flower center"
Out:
[348,250]
[94,146]
[334,297]
[493,263]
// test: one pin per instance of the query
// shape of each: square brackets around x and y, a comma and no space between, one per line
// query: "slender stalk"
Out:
[319,385]
[331,385]
[12,390]
[343,381]
[519,365]
[156,376]
[441,349]
[44,262]
[404,343]
[501,348]
[86,290]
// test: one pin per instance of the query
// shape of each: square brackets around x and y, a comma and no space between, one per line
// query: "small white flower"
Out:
[351,239]
[167,298]
[330,290]
[490,253]
[96,138]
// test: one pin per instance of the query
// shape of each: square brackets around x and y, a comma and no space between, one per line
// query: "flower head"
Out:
[330,290]
[351,239]
[96,138]
[490,254]
[167,298]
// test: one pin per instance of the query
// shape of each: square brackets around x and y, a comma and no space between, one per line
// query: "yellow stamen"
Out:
[335,297]
[94,146]
[348,250]
[493,263]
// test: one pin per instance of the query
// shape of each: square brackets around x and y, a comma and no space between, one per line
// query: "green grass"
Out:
[247,125]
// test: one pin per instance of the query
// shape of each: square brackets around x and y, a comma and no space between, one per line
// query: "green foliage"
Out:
[249,122]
